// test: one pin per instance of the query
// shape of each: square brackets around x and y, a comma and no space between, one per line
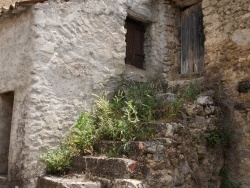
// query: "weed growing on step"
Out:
[83,133]
[191,92]
[226,182]
[143,96]
[58,160]
[189,95]
[124,117]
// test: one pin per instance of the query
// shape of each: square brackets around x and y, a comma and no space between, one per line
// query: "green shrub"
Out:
[176,107]
[58,160]
[142,96]
[83,133]
[118,119]
[214,139]
[191,92]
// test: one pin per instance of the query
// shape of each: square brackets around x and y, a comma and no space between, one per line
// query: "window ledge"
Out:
[135,74]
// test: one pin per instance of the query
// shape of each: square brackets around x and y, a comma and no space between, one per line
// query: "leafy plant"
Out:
[83,133]
[142,96]
[58,160]
[191,92]
[175,107]
[122,117]
[213,139]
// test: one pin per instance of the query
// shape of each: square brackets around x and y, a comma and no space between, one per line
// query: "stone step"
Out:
[4,182]
[128,183]
[63,182]
[133,149]
[67,182]
[111,168]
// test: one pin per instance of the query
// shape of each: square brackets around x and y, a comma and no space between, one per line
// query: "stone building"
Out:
[55,54]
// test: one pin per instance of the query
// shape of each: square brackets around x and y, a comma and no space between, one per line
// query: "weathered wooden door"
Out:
[192,59]
[135,43]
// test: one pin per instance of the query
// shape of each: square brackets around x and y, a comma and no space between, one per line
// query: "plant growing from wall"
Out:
[121,119]
[226,182]
[213,138]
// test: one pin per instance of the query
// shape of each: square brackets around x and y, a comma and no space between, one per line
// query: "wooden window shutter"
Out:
[134,43]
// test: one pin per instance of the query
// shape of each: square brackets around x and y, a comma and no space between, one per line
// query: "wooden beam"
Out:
[186,3]
[30,2]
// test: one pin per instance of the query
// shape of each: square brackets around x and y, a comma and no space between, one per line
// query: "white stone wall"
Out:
[15,71]
[77,46]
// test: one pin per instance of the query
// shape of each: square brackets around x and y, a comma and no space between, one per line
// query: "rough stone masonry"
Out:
[54,56]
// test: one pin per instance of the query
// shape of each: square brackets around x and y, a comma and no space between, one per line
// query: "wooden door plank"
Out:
[129,43]
[192,40]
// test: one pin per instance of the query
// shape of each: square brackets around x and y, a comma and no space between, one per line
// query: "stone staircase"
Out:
[174,158]
[177,156]
[96,172]
[131,171]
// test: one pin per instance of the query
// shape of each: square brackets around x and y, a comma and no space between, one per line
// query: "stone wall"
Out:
[162,45]
[76,47]
[15,71]
[162,37]
[227,30]
[6,3]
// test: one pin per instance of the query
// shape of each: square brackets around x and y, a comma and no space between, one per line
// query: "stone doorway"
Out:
[6,109]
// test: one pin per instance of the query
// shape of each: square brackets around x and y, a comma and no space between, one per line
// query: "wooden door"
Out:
[134,43]
[192,40]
